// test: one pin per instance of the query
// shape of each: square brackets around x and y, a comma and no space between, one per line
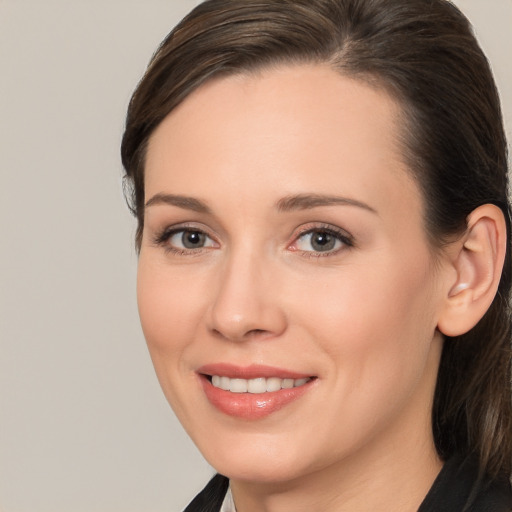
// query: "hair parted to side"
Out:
[424,54]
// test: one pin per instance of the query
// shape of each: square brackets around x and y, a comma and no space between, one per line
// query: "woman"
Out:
[324,272]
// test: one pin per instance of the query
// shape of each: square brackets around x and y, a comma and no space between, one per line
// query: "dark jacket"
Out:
[456,489]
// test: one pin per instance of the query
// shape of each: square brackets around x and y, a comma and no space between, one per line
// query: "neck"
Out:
[398,482]
[393,472]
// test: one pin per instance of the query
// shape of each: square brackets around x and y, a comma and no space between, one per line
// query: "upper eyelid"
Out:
[312,227]
[186,226]
[163,235]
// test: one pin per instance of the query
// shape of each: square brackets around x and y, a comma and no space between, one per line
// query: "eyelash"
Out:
[162,240]
[340,235]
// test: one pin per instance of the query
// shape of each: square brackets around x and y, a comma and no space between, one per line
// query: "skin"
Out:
[361,318]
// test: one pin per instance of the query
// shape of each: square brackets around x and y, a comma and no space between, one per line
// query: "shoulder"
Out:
[211,497]
[460,488]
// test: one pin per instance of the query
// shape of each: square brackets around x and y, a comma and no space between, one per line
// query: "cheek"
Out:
[375,330]
[169,308]
[375,321]
[170,311]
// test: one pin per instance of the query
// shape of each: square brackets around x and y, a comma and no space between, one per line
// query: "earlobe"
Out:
[478,262]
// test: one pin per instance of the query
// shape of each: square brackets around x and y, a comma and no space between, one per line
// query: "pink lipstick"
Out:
[252,392]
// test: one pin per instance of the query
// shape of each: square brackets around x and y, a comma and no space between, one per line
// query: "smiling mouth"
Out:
[253,392]
[256,386]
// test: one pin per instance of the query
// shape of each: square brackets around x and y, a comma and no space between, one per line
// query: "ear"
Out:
[477,259]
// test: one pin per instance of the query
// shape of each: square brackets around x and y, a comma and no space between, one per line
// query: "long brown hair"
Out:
[423,52]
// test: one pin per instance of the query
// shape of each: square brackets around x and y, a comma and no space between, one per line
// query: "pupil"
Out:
[322,241]
[192,239]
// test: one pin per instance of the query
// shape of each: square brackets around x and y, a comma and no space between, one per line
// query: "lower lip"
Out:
[251,406]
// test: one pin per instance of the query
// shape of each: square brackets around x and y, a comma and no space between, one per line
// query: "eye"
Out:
[184,240]
[190,239]
[322,240]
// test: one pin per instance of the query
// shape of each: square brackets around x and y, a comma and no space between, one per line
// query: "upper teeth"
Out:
[259,385]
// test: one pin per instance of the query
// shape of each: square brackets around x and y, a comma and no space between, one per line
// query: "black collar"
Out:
[457,488]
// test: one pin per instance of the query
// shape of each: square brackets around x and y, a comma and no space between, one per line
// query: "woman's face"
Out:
[284,249]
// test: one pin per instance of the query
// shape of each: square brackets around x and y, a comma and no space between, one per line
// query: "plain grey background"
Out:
[84,426]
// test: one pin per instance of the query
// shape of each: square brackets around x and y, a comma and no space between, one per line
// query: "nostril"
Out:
[255,332]
[252,333]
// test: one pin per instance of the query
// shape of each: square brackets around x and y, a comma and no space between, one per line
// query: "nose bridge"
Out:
[243,304]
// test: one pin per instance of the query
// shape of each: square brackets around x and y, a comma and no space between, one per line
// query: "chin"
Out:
[260,463]
[267,472]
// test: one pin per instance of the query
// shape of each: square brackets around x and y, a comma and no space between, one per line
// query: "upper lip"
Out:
[252,371]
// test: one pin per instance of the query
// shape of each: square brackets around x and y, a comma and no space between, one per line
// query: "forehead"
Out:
[279,128]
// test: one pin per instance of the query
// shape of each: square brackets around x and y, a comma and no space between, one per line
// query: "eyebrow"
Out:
[308,201]
[185,202]
[286,204]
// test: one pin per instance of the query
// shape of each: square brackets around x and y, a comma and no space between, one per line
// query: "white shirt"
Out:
[228,505]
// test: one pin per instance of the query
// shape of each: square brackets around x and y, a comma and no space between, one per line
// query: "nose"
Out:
[245,304]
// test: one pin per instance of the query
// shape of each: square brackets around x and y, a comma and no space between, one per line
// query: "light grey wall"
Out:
[83,424]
